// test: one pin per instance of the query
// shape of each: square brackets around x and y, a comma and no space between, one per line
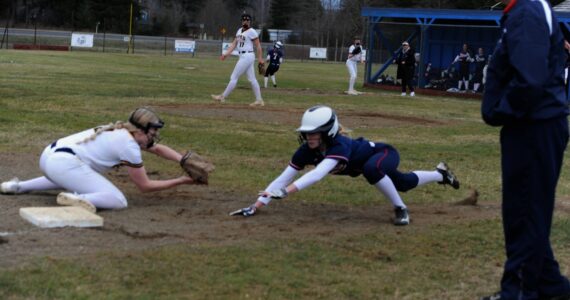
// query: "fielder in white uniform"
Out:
[245,39]
[354,57]
[75,163]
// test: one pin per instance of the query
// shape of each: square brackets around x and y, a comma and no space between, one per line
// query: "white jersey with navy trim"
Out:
[109,149]
[244,39]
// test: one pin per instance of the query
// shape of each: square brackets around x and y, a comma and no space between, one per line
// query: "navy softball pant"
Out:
[531,160]
[384,162]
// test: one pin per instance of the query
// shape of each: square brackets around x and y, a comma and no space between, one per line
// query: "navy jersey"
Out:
[350,153]
[275,56]
[526,83]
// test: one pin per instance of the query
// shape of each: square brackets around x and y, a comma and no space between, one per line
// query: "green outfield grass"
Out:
[46,95]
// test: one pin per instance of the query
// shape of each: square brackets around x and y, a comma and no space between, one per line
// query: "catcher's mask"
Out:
[144,119]
[321,119]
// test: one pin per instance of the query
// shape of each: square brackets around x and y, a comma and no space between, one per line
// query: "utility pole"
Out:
[130,49]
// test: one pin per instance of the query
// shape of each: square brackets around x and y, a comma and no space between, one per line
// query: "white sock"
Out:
[386,187]
[466,84]
[476,87]
[459,85]
[37,184]
[273,79]
[428,177]
[265,79]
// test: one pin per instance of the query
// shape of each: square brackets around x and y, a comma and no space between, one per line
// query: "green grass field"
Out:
[46,95]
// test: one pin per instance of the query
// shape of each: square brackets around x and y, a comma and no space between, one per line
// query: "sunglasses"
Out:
[246,19]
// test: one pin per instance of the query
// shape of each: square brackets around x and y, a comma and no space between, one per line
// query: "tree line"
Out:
[317,22]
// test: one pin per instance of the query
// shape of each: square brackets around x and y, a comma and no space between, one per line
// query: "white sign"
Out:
[320,53]
[81,40]
[226,46]
[363,55]
[185,46]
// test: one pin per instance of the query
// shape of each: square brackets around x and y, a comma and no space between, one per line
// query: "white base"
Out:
[51,217]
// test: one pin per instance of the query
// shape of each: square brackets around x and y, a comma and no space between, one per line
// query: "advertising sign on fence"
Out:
[319,53]
[82,40]
[184,46]
[226,46]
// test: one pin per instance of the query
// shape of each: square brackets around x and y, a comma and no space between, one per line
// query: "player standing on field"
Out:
[354,57]
[246,38]
[331,152]
[275,58]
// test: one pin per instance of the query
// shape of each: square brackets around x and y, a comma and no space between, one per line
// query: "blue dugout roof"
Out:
[428,16]
[458,20]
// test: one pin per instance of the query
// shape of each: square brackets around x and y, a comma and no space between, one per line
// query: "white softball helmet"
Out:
[319,118]
[278,45]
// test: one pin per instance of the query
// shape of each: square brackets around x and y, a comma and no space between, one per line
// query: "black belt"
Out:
[242,52]
[62,149]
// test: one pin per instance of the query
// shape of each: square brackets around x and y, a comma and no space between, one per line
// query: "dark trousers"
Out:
[408,80]
[384,162]
[531,158]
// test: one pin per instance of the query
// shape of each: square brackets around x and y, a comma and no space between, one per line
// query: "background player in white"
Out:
[275,59]
[325,147]
[246,38]
[75,163]
[354,57]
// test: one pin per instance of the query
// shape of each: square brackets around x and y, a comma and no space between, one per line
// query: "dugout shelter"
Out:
[436,34]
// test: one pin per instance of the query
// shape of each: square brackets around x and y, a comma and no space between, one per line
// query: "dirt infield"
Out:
[199,214]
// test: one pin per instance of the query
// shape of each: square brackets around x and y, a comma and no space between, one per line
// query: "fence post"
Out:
[165,45]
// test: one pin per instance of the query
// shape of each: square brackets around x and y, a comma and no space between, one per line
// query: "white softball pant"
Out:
[351,65]
[244,65]
[67,171]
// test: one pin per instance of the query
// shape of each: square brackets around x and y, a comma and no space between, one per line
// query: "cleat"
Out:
[353,92]
[246,212]
[10,187]
[402,216]
[257,103]
[412,94]
[219,98]
[274,85]
[69,199]
[403,94]
[448,176]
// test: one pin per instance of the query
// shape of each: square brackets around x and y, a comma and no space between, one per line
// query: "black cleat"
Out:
[402,216]
[448,177]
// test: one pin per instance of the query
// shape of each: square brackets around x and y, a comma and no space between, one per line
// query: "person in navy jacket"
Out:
[525,95]
[331,152]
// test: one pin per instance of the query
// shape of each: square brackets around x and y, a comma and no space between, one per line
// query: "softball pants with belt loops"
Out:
[67,171]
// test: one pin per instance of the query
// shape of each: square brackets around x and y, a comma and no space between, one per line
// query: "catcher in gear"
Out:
[197,167]
[324,146]
[76,163]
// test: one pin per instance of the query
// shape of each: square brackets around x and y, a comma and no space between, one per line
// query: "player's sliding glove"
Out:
[246,212]
[276,194]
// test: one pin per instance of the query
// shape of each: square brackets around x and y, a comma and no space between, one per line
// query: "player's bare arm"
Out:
[230,50]
[165,152]
[259,51]
[145,184]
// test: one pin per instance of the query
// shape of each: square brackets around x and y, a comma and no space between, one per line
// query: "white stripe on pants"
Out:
[244,65]
[69,172]
[352,69]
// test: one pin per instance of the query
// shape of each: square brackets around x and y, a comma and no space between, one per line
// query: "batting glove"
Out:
[278,194]
[246,212]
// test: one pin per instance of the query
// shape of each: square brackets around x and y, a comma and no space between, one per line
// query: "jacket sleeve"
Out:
[518,71]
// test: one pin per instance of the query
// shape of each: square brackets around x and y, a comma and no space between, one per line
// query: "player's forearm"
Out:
[166,152]
[159,185]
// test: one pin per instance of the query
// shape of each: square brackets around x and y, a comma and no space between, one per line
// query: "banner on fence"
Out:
[82,40]
[320,53]
[184,46]
[226,46]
